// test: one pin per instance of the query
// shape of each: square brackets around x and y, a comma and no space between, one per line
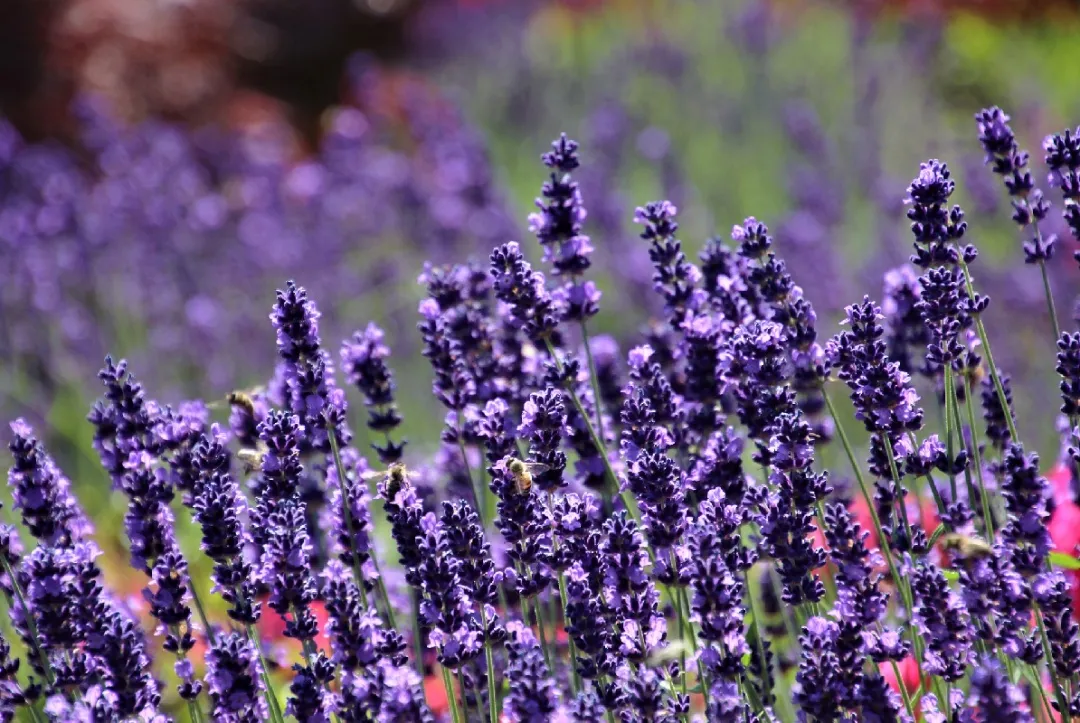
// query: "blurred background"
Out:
[166,164]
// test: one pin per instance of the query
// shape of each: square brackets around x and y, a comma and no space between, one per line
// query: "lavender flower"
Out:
[42,493]
[942,619]
[531,307]
[1063,160]
[819,690]
[1025,493]
[445,608]
[995,697]
[674,277]
[233,680]
[219,506]
[308,372]
[630,592]
[1068,367]
[543,422]
[558,228]
[364,362]
[532,697]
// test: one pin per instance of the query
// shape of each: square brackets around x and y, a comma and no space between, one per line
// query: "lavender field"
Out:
[578,362]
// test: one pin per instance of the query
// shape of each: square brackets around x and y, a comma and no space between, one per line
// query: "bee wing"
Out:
[372,474]
[537,467]
[413,474]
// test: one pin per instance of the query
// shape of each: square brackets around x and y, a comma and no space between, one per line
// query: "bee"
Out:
[523,472]
[396,477]
[239,398]
[252,459]
[968,548]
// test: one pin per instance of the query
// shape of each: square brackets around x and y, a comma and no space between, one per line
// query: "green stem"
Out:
[904,692]
[613,481]
[984,494]
[346,506]
[31,624]
[981,329]
[264,671]
[594,377]
[489,658]
[1059,689]
[543,636]
[450,695]
[758,627]
[949,393]
[1049,297]
[478,491]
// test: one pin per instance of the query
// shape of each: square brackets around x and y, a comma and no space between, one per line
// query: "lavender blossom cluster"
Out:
[164,241]
[601,536]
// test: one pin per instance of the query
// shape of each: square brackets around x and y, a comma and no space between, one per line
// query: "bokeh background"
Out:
[166,164]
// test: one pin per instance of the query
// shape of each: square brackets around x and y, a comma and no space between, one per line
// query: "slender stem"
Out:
[594,377]
[984,494]
[1059,689]
[759,641]
[904,691]
[346,505]
[31,624]
[418,637]
[207,627]
[478,491]
[949,392]
[1049,298]
[543,636]
[264,671]
[32,707]
[613,481]
[464,697]
[450,694]
[981,329]
[489,658]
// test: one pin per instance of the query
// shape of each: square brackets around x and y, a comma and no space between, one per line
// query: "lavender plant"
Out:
[730,579]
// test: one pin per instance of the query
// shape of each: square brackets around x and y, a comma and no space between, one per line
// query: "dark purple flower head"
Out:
[531,306]
[1053,594]
[219,507]
[308,369]
[358,636]
[122,420]
[466,541]
[995,697]
[363,360]
[632,595]
[445,608]
[906,332]
[533,695]
[117,642]
[1063,160]
[296,322]
[42,493]
[558,225]
[819,690]
[525,523]
[674,277]
[285,568]
[1026,493]
[943,621]
[1068,367]
[934,225]
[543,423]
[232,676]
[1009,162]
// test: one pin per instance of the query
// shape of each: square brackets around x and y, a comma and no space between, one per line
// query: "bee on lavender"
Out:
[523,472]
[966,547]
[396,477]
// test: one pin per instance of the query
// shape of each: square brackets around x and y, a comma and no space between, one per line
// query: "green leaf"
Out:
[1060,559]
